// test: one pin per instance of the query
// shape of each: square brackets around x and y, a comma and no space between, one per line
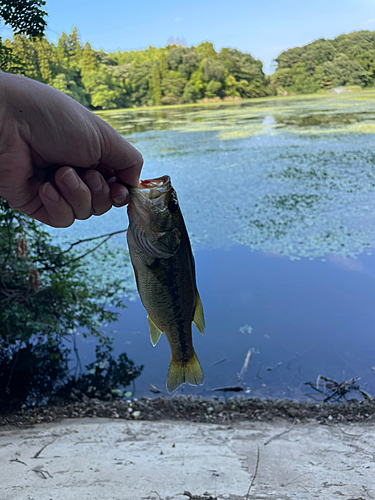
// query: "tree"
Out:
[156,86]
[24,17]
[345,60]
[169,75]
[69,87]
[173,87]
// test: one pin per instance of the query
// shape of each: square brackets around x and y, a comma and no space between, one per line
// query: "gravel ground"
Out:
[197,409]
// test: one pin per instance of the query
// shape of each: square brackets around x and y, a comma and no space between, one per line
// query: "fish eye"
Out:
[173,205]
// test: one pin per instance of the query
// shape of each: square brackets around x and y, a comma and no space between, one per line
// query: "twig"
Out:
[154,389]
[219,361]
[42,472]
[254,476]
[18,461]
[347,434]
[85,240]
[241,375]
[153,491]
[283,485]
[88,251]
[106,236]
[281,434]
[44,447]
[236,388]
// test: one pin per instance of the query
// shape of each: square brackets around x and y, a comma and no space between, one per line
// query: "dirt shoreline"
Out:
[197,409]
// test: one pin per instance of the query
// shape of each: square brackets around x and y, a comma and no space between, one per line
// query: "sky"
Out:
[263,28]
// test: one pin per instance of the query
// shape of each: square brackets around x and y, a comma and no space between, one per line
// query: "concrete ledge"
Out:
[103,459]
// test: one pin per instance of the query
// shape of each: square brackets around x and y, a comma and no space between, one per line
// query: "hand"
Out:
[58,161]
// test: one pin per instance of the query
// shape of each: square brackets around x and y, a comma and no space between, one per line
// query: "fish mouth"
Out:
[154,188]
[148,196]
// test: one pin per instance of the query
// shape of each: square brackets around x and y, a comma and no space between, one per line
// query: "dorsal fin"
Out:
[198,319]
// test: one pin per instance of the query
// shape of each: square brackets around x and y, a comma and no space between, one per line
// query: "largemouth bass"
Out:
[164,269]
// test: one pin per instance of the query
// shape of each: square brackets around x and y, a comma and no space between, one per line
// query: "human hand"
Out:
[58,161]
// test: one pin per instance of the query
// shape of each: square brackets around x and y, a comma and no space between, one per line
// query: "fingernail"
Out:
[121,200]
[70,179]
[51,192]
[94,181]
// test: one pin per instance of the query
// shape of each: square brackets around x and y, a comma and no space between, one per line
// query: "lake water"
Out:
[278,196]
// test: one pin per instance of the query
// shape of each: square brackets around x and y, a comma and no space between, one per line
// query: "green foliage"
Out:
[169,75]
[24,16]
[345,60]
[48,293]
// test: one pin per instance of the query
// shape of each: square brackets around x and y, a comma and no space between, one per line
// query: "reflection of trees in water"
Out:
[47,294]
[38,371]
[319,119]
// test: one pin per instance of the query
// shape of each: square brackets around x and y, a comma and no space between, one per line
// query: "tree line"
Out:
[348,59]
[177,74]
[169,75]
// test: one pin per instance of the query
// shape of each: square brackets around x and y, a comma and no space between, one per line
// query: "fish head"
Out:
[155,217]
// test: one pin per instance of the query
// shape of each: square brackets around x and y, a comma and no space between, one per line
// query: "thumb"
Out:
[119,155]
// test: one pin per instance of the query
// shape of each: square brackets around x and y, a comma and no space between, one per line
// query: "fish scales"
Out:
[164,267]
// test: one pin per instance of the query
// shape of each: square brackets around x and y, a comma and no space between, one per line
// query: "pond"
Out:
[278,196]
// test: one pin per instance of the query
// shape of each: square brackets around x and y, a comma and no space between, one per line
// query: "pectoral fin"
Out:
[198,319]
[155,333]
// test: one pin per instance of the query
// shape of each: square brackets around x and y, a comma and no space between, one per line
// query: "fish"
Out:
[164,269]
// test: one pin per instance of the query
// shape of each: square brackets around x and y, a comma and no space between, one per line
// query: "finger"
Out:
[53,209]
[101,200]
[106,172]
[119,193]
[75,192]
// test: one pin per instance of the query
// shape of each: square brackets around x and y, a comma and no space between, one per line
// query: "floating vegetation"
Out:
[294,176]
[246,329]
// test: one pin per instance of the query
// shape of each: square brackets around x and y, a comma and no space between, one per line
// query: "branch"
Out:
[106,236]
[109,235]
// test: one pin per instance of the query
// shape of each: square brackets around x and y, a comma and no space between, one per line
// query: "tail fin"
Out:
[190,373]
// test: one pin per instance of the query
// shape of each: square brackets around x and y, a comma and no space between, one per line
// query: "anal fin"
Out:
[155,333]
[198,319]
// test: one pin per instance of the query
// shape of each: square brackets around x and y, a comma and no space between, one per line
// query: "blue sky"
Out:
[263,28]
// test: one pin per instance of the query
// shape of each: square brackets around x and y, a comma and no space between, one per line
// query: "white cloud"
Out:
[369,24]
